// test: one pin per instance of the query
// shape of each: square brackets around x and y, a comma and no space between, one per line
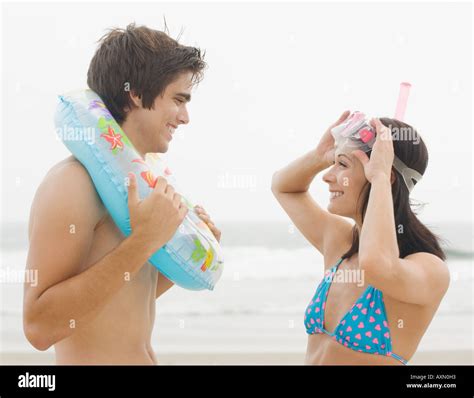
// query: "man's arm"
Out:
[64,214]
[163,285]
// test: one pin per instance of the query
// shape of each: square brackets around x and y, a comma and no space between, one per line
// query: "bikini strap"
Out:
[399,358]
[338,263]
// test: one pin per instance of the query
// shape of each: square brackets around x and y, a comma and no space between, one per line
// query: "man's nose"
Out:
[183,116]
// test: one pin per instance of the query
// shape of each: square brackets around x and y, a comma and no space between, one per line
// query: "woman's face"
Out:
[346,180]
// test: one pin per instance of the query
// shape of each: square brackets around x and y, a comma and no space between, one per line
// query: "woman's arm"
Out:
[298,175]
[378,233]
[290,186]
[420,278]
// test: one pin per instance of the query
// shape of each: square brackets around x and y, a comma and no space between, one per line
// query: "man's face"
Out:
[151,130]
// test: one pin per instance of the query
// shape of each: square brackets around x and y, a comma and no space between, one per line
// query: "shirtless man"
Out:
[95,297]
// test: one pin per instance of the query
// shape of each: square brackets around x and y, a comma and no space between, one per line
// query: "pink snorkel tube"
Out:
[408,174]
[402,101]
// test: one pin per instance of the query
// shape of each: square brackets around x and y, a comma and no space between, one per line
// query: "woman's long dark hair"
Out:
[412,235]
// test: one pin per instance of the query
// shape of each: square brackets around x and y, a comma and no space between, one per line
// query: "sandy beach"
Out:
[255,358]
[254,316]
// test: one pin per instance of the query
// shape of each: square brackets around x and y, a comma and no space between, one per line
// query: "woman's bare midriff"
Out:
[121,332]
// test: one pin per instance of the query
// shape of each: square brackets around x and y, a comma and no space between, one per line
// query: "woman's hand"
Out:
[202,214]
[381,158]
[325,149]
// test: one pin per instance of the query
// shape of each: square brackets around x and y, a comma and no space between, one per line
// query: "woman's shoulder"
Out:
[339,242]
[437,267]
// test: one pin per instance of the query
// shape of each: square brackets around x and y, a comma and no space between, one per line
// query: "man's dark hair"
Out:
[139,60]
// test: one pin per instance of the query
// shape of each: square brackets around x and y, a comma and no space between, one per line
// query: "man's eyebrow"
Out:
[186,96]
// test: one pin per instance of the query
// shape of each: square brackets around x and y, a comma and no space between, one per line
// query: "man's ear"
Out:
[136,99]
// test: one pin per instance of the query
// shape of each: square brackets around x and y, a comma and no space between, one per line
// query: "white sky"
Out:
[278,75]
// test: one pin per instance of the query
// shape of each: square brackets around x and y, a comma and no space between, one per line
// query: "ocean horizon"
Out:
[456,237]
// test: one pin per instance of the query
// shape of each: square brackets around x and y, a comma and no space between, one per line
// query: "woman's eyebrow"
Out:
[341,154]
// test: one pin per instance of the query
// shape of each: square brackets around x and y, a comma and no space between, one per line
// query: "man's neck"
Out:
[130,129]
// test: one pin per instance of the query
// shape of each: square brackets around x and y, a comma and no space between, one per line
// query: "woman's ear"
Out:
[392,177]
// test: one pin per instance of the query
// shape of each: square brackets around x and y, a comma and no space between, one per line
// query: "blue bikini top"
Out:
[364,328]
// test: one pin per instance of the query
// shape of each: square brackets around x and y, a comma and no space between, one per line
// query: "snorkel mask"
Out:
[357,133]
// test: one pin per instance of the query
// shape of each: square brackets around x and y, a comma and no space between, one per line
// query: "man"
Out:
[95,297]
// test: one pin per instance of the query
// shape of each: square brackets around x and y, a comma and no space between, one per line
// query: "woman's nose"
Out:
[329,176]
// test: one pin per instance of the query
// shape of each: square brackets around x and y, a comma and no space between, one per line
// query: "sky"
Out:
[278,75]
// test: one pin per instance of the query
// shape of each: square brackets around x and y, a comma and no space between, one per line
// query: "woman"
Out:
[380,318]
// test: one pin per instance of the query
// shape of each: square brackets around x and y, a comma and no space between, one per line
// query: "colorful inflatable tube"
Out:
[192,259]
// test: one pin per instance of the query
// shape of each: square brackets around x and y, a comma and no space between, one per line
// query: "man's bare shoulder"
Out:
[66,168]
[67,187]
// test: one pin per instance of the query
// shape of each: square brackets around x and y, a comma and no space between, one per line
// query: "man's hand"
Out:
[155,219]
[202,214]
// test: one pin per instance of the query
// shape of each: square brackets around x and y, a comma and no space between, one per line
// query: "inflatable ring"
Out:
[192,259]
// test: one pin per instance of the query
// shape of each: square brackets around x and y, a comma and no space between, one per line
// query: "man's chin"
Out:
[162,148]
